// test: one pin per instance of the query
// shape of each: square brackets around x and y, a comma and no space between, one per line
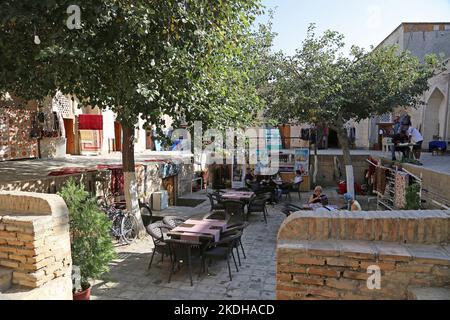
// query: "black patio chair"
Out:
[222,250]
[156,231]
[235,229]
[216,202]
[258,205]
[235,209]
[182,250]
[173,221]
[296,188]
[286,189]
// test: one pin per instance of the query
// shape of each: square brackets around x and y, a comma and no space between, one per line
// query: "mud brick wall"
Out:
[34,239]
[328,256]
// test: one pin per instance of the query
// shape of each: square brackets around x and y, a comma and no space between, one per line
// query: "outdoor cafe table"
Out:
[198,230]
[238,195]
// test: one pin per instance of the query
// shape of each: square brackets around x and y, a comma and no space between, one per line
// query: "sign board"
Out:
[302,160]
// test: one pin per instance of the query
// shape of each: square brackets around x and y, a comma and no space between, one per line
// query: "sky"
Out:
[363,22]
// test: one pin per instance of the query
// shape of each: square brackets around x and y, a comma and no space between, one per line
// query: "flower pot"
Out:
[83,295]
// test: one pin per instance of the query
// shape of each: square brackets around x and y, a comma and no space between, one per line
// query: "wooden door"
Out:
[70,136]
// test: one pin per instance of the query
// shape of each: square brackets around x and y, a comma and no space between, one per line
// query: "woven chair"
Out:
[156,231]
[216,202]
[258,205]
[173,221]
[222,250]
[183,250]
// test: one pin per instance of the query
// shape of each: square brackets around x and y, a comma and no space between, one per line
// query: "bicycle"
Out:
[124,225]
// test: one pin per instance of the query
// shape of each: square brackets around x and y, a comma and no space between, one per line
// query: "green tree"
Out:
[322,86]
[140,58]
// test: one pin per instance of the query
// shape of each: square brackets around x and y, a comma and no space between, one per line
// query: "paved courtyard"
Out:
[129,278]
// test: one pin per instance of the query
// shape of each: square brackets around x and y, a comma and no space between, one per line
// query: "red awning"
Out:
[90,122]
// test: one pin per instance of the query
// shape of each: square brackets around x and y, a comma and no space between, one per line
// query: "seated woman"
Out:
[317,196]
[352,204]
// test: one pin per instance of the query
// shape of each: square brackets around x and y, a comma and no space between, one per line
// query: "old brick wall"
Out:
[323,256]
[35,245]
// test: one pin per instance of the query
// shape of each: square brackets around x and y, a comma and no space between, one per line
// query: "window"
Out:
[447,27]
[436,27]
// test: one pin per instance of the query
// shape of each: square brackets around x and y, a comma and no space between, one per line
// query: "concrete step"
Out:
[429,293]
[5,279]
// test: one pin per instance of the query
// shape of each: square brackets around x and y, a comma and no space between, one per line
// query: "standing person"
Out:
[352,204]
[415,137]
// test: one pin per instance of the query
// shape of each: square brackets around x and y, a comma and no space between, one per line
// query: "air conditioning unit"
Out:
[160,200]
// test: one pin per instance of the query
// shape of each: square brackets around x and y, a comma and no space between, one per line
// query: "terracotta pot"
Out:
[83,295]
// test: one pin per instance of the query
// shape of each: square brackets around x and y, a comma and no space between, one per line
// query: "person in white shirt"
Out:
[416,137]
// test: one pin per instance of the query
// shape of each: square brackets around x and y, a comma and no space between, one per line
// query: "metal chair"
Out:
[182,251]
[216,202]
[235,208]
[258,205]
[222,250]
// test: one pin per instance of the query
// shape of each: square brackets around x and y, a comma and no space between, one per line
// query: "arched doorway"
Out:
[434,118]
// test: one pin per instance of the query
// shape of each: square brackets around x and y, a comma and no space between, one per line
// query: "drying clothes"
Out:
[380,180]
[401,183]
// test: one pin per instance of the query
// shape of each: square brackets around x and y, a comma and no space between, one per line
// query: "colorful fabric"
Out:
[401,182]
[90,122]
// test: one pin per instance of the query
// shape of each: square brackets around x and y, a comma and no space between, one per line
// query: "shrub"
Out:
[91,242]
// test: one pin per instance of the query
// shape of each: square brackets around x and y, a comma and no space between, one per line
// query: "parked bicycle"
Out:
[124,225]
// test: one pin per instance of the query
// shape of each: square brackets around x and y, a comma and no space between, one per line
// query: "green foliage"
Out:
[319,84]
[182,58]
[413,201]
[91,242]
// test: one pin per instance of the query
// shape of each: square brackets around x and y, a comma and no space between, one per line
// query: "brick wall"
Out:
[35,242]
[327,257]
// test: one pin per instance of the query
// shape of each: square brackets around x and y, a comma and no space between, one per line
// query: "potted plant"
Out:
[91,243]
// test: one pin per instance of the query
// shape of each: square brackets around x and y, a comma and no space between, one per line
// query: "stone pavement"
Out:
[129,278]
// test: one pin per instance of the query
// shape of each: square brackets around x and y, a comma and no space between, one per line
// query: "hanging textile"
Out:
[380,180]
[90,122]
[401,182]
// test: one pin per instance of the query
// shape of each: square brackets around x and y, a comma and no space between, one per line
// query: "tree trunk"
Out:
[129,172]
[350,178]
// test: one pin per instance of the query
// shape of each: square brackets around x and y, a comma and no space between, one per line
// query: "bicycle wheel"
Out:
[129,228]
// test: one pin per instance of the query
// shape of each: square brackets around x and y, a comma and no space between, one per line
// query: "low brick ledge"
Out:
[337,269]
[362,250]
[426,227]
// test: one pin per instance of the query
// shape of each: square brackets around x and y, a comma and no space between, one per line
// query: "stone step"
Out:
[429,293]
[5,279]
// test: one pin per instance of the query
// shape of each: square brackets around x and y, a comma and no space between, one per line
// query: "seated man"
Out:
[352,204]
[398,139]
[249,178]
[316,196]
